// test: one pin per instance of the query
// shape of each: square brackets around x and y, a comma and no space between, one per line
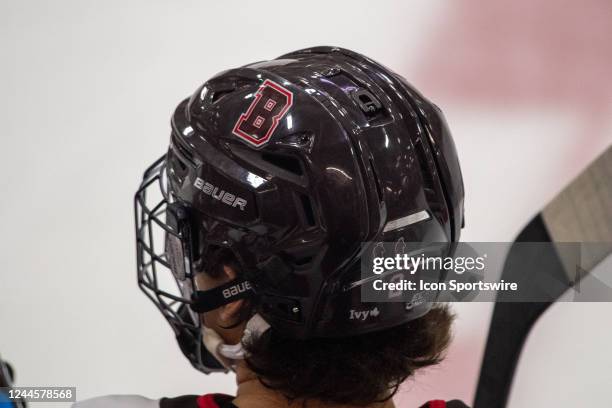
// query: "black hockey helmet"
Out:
[292,164]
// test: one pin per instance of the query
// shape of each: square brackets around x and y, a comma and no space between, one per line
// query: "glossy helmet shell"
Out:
[356,148]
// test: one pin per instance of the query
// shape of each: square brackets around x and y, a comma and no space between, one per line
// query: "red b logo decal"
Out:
[261,119]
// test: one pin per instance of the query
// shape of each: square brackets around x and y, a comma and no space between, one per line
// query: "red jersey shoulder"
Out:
[195,401]
[215,401]
[444,404]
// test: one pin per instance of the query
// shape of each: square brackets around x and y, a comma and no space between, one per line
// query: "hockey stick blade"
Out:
[582,212]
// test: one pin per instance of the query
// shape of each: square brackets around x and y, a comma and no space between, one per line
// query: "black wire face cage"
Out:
[164,264]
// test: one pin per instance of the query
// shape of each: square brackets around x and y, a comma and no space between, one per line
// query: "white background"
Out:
[86,92]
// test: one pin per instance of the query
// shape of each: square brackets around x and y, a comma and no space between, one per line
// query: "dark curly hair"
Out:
[357,370]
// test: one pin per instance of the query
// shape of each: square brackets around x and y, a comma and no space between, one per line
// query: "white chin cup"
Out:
[212,341]
[227,354]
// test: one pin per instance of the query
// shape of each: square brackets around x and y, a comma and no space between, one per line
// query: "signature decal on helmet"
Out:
[224,196]
[271,103]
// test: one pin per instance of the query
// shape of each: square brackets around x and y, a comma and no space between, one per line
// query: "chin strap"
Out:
[206,300]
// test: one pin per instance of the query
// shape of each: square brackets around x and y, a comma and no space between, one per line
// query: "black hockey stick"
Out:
[582,212]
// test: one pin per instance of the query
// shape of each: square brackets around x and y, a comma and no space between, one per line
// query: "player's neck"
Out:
[253,394]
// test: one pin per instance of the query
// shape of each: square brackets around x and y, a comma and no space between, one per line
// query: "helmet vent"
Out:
[368,104]
[308,213]
[288,163]
[376,181]
[302,261]
[184,155]
[219,94]
[302,141]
